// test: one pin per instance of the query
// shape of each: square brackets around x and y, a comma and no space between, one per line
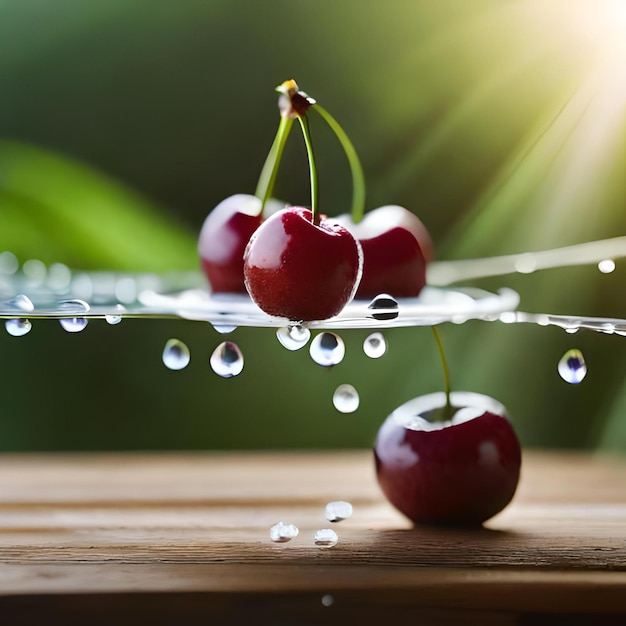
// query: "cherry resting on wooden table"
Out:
[462,470]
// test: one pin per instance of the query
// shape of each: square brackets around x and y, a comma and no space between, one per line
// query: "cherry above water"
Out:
[396,249]
[223,239]
[460,470]
[302,270]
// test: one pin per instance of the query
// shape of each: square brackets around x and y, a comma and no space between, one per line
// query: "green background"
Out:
[501,124]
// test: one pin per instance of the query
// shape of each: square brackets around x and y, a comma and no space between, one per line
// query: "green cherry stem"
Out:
[306,133]
[358,178]
[447,412]
[267,179]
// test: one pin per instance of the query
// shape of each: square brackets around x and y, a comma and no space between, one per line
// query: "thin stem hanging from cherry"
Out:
[447,412]
[267,178]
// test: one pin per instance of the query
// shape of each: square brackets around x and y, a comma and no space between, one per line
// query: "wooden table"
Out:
[184,538]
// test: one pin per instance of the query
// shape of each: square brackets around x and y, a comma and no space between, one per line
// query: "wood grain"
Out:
[109,538]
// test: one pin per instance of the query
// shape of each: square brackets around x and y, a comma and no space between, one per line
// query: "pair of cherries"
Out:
[448,458]
[299,264]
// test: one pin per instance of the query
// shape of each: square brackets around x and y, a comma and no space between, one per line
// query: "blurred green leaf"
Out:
[58,210]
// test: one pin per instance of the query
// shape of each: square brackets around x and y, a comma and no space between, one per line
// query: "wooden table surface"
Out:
[184,538]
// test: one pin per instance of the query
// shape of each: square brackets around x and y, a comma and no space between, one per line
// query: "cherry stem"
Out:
[306,133]
[358,178]
[448,411]
[267,179]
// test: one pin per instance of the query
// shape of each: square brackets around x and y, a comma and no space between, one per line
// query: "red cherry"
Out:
[461,471]
[300,270]
[396,249]
[224,237]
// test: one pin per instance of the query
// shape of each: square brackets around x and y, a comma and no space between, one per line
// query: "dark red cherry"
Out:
[396,250]
[299,269]
[460,471]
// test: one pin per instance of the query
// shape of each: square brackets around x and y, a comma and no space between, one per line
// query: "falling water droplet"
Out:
[375,345]
[338,511]
[325,538]
[385,306]
[327,600]
[572,366]
[346,399]
[294,336]
[18,327]
[283,532]
[327,349]
[73,324]
[227,360]
[176,355]
[21,303]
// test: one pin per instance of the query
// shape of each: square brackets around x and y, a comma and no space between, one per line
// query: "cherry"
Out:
[462,470]
[448,457]
[299,269]
[298,264]
[223,240]
[396,249]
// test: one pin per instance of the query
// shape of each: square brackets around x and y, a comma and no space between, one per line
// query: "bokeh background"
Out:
[501,123]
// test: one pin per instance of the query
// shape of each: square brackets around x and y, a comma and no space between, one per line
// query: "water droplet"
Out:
[327,349]
[227,360]
[327,600]
[346,399]
[176,355]
[73,324]
[294,336]
[224,329]
[115,318]
[338,511]
[73,306]
[18,327]
[607,266]
[385,306]
[572,366]
[283,532]
[375,345]
[21,303]
[325,538]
